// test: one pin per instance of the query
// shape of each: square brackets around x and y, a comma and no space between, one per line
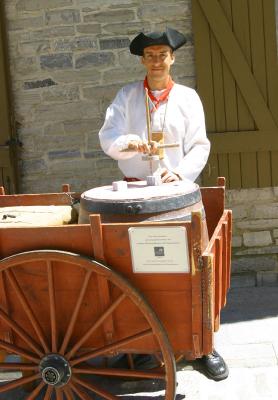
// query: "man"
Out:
[175,110]
[176,113]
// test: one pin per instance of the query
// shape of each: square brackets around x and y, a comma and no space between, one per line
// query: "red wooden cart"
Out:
[71,302]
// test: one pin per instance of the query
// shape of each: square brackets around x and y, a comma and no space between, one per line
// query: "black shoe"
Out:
[214,366]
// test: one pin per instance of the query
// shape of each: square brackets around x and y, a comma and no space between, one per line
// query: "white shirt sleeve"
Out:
[114,135]
[196,145]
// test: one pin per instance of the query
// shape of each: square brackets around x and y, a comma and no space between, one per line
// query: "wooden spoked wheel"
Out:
[65,318]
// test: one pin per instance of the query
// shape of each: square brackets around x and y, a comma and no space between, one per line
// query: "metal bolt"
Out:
[138,208]
[129,209]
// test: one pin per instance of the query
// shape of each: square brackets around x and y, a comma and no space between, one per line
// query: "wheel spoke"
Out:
[59,394]
[68,393]
[20,332]
[110,309]
[19,382]
[35,392]
[52,307]
[11,348]
[28,310]
[111,347]
[95,389]
[48,392]
[82,395]
[18,367]
[130,361]
[152,374]
[75,313]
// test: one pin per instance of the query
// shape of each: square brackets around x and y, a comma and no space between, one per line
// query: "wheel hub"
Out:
[55,370]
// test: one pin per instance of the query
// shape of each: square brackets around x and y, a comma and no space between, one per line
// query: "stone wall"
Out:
[255,236]
[68,58]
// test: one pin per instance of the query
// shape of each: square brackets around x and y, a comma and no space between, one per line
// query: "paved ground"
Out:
[248,340]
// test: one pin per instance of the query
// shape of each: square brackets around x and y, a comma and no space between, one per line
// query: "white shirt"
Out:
[184,123]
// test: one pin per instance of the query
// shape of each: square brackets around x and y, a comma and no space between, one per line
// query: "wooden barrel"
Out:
[141,203]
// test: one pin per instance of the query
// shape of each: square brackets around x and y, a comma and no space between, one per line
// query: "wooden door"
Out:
[237,79]
[7,150]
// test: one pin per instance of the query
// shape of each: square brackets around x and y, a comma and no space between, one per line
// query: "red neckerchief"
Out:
[164,96]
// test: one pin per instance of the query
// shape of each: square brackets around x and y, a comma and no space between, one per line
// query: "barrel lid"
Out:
[139,198]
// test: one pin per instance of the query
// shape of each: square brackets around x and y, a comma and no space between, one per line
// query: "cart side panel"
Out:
[44,199]
[170,295]
[214,201]
[217,262]
[74,238]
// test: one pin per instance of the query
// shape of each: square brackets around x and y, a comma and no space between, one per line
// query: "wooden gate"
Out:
[237,79]
[7,152]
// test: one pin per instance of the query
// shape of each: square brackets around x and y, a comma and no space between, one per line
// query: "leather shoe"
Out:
[215,366]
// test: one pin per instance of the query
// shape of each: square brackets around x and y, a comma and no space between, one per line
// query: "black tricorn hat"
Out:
[170,37]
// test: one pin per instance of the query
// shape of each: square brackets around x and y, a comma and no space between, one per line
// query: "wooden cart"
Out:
[71,302]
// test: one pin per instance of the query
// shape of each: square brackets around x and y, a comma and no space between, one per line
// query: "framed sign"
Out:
[159,249]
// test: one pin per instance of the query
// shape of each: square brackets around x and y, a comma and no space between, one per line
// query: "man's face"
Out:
[157,61]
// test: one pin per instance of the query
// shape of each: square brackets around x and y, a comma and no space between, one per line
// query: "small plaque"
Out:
[159,249]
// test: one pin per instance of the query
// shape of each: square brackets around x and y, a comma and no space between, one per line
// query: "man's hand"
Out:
[143,147]
[168,176]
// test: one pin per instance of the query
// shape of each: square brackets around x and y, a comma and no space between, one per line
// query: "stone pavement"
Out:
[248,341]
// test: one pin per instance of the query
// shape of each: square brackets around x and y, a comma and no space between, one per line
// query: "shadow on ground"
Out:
[128,390]
[244,304]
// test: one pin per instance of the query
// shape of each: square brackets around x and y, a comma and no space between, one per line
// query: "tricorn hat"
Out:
[170,37]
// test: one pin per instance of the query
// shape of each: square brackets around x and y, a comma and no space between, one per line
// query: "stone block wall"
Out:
[68,58]
[255,236]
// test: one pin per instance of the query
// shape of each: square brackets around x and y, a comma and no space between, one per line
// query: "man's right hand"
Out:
[142,146]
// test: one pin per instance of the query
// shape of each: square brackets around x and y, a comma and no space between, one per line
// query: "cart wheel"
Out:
[58,323]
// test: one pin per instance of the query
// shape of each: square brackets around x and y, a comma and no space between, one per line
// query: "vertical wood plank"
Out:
[6,333]
[245,119]
[208,304]
[218,86]
[241,30]
[264,169]
[271,57]
[211,171]
[196,281]
[5,130]
[235,170]
[229,248]
[230,95]
[249,170]
[224,234]
[218,282]
[7,169]
[274,168]
[231,108]
[204,71]
[223,163]
[103,284]
[257,44]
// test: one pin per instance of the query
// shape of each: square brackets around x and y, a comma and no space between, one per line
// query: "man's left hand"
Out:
[168,176]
